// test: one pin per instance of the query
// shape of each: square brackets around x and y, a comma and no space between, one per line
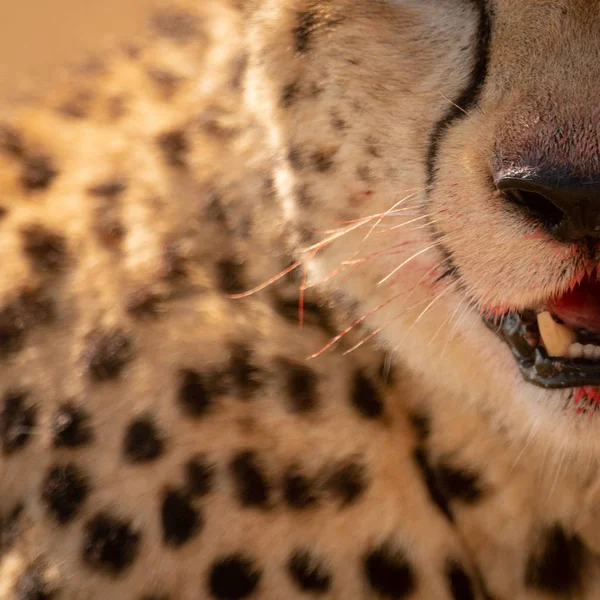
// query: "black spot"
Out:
[143,303]
[247,377]
[166,82]
[233,577]
[194,395]
[180,520]
[308,572]
[175,24]
[110,543]
[17,421]
[78,106]
[389,573]
[27,310]
[301,386]
[107,354]
[3,212]
[305,197]
[366,397]
[142,442]
[289,95]
[46,250]
[174,146]
[230,276]
[199,476]
[556,562]
[313,313]
[323,160]
[295,158]
[64,490]
[338,123]
[70,427]
[109,188]
[214,208]
[347,481]
[298,490]
[174,264]
[306,24]
[10,528]
[460,584]
[421,424]
[251,485]
[461,484]
[33,585]
[11,141]
[38,172]
[436,493]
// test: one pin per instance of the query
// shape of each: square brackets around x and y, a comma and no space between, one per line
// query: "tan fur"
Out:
[252,134]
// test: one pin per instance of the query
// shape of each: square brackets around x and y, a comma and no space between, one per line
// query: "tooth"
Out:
[589,351]
[575,351]
[556,337]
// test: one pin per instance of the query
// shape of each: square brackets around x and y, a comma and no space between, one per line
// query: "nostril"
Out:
[537,205]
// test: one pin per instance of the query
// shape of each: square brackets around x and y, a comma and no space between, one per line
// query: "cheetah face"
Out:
[440,161]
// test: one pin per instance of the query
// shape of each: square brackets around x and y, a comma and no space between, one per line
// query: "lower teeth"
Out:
[560,341]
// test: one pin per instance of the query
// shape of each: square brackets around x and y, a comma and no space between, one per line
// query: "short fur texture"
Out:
[163,432]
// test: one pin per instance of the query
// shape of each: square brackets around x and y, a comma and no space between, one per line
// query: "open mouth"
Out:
[557,345]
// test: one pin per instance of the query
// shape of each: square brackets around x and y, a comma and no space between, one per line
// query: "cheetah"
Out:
[297,301]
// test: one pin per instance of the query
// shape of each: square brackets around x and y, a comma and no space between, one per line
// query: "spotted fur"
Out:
[164,434]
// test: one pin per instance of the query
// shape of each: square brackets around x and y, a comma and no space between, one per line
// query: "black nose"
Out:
[569,209]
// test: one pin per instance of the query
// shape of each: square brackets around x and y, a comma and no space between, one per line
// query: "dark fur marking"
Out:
[109,188]
[38,172]
[64,490]
[308,572]
[46,250]
[306,24]
[295,158]
[107,354]
[252,487]
[247,377]
[323,160]
[110,543]
[436,493]
[389,573]
[78,106]
[143,303]
[195,395]
[421,423]
[33,585]
[11,141]
[142,442]
[301,385]
[233,577]
[10,529]
[347,481]
[470,95]
[556,563]
[175,24]
[459,582]
[166,82]
[174,146]
[230,276]
[366,397]
[17,422]
[298,490]
[180,520]
[31,308]
[199,476]
[70,428]
[459,483]
[289,95]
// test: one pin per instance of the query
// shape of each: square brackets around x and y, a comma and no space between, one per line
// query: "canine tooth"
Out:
[575,351]
[556,337]
[589,351]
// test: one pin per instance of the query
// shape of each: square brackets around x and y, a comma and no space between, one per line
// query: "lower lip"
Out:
[536,367]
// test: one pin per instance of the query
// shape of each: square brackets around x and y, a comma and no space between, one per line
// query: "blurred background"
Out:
[38,38]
